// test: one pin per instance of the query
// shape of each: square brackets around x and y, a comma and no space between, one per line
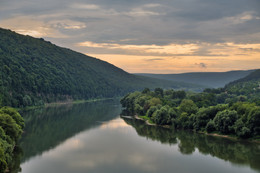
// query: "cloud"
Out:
[145,10]
[152,5]
[154,59]
[172,50]
[139,12]
[169,28]
[67,24]
[85,6]
[151,50]
[242,18]
[201,65]
[29,26]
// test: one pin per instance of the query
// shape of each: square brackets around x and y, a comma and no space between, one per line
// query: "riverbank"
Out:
[146,121]
[68,102]
[77,101]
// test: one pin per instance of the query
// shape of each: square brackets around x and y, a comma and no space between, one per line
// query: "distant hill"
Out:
[248,86]
[209,79]
[252,77]
[34,71]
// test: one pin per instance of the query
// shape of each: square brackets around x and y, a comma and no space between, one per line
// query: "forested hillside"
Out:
[248,88]
[34,71]
[209,79]
[233,110]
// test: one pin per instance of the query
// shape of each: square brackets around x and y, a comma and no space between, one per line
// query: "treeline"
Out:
[34,72]
[11,128]
[214,110]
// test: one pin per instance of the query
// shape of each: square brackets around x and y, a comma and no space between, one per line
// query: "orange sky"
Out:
[222,57]
[169,36]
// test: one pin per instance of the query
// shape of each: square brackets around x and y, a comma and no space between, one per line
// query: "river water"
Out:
[91,137]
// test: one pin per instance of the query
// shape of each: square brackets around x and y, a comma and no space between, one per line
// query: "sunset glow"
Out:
[141,37]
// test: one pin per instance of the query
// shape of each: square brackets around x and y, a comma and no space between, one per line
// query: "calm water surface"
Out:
[91,137]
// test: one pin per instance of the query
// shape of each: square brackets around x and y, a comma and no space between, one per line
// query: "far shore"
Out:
[209,134]
[75,102]
[67,102]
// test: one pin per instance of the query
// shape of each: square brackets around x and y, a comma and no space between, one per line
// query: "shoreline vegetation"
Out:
[64,103]
[136,117]
[232,111]
[11,129]
[78,101]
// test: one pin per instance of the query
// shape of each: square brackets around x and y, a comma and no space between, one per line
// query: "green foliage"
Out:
[247,88]
[210,126]
[34,72]
[241,130]
[146,90]
[11,126]
[253,121]
[179,94]
[188,106]
[154,101]
[158,92]
[182,120]
[151,111]
[225,120]
[222,110]
[129,102]
[204,115]
[14,114]
[162,116]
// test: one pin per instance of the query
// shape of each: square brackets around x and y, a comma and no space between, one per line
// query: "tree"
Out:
[11,126]
[151,111]
[14,114]
[204,115]
[241,130]
[161,116]
[182,120]
[158,92]
[146,91]
[225,120]
[154,101]
[253,121]
[210,126]
[179,94]
[188,106]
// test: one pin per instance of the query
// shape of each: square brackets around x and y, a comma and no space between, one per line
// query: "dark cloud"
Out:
[144,22]
[154,59]
[201,65]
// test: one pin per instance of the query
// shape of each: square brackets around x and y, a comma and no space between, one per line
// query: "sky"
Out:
[146,36]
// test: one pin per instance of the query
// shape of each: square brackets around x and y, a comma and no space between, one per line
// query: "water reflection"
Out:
[48,127]
[92,138]
[240,153]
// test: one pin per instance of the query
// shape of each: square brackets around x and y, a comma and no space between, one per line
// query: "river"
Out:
[91,137]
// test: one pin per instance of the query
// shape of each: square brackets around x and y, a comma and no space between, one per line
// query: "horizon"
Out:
[166,37]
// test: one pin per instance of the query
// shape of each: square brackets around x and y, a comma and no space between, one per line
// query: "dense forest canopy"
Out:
[11,128]
[232,110]
[34,71]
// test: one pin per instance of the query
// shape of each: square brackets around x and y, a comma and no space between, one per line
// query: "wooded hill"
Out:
[248,88]
[232,110]
[34,71]
[209,79]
